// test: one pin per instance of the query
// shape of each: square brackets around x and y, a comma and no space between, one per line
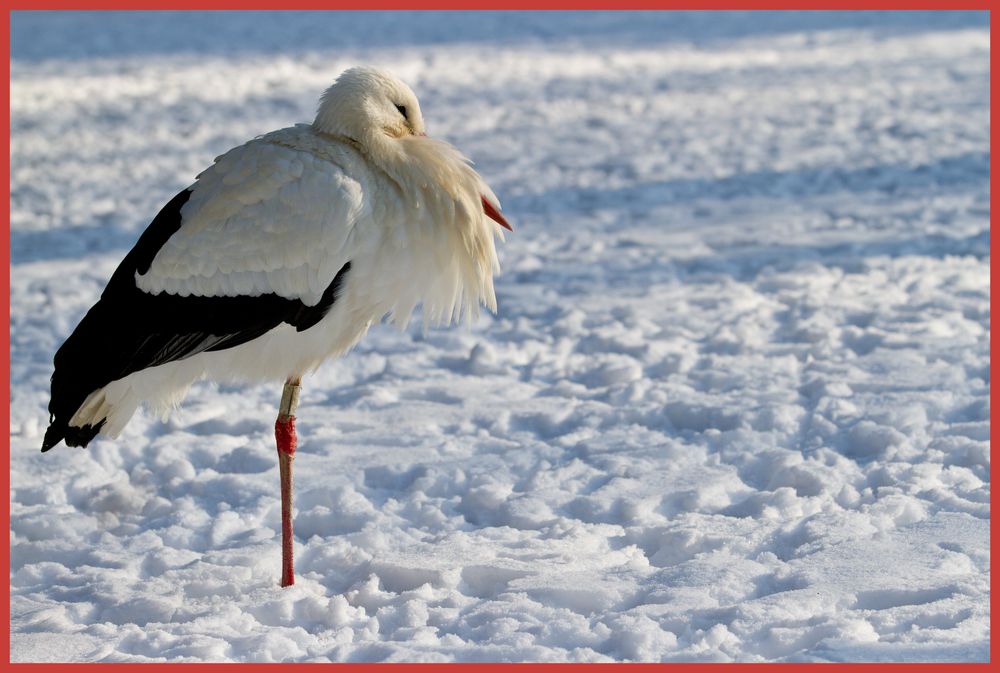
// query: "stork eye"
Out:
[402,111]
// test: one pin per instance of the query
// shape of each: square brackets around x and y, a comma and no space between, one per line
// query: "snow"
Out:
[734,406]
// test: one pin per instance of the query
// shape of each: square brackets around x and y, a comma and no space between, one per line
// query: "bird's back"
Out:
[262,239]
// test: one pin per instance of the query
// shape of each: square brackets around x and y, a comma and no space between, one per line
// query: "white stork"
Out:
[279,256]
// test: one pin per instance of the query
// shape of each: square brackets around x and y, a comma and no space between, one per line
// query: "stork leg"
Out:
[284,434]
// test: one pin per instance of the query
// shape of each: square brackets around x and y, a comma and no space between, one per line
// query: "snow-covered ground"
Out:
[734,405]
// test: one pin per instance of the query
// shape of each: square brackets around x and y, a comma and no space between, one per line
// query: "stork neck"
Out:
[340,138]
[377,148]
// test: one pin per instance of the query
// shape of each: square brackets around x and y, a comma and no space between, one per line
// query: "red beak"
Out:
[495,215]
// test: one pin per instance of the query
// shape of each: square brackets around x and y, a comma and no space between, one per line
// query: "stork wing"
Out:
[264,237]
[265,219]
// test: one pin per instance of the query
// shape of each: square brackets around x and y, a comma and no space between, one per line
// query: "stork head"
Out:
[366,104]
[380,113]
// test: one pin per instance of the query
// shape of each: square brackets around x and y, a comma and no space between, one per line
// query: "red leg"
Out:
[284,434]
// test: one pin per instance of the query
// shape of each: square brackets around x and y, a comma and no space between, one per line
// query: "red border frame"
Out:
[549,5]
[509,5]
[5,254]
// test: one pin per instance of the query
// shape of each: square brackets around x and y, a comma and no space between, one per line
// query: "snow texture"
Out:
[734,405]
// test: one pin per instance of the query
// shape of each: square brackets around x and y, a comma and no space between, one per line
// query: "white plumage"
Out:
[284,213]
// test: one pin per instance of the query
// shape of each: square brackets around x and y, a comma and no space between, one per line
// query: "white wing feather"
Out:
[265,218]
